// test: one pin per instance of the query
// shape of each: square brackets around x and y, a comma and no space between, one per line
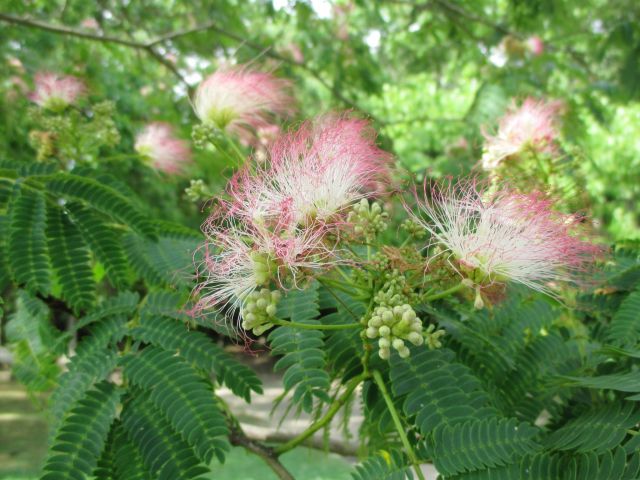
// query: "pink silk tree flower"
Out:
[158,144]
[313,173]
[501,235]
[535,45]
[56,92]
[238,259]
[242,101]
[531,126]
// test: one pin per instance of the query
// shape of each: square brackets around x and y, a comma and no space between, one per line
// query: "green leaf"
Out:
[167,261]
[183,396]
[164,452]
[94,359]
[198,349]
[33,341]
[70,261]
[385,466]
[621,382]
[303,353]
[625,325]
[29,258]
[600,428]
[101,197]
[478,444]
[105,242]
[81,437]
[425,379]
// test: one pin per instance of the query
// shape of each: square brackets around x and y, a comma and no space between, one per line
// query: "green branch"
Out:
[333,409]
[398,423]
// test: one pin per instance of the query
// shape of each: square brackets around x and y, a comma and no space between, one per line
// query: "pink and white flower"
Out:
[242,101]
[502,235]
[56,92]
[158,144]
[313,173]
[535,45]
[531,126]
[239,258]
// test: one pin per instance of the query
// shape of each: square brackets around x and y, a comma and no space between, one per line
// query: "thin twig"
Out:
[322,422]
[237,437]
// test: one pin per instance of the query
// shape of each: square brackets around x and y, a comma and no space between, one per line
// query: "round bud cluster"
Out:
[258,310]
[432,337]
[393,326]
[197,191]
[413,229]
[205,134]
[368,220]
[379,261]
[392,292]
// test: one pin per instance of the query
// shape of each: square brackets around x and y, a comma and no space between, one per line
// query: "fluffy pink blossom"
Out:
[312,173]
[531,126]
[242,101]
[56,92]
[238,258]
[535,45]
[502,235]
[158,143]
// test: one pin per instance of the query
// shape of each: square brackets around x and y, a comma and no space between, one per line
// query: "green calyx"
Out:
[221,118]
[259,309]
[263,268]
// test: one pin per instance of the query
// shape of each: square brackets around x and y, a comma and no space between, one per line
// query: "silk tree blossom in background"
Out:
[532,126]
[243,101]
[313,173]
[56,92]
[535,45]
[500,235]
[158,144]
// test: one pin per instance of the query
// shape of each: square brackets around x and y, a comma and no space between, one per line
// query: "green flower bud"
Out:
[404,352]
[372,332]
[384,331]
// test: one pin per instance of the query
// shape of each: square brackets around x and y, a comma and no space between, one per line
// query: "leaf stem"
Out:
[398,423]
[445,293]
[333,409]
[310,326]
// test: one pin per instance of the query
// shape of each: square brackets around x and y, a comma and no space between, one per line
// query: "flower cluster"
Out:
[158,144]
[503,235]
[532,126]
[242,101]
[280,220]
[56,92]
[286,214]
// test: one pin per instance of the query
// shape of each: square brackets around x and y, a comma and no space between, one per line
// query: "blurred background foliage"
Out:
[431,74]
